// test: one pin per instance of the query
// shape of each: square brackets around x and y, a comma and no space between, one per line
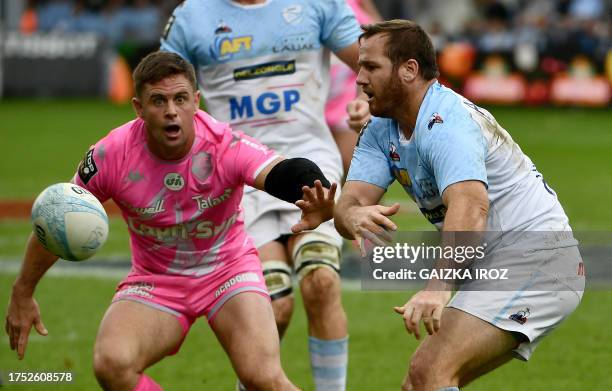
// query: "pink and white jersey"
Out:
[184,216]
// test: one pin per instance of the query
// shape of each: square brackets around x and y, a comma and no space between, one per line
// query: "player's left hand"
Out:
[426,305]
[358,112]
[316,206]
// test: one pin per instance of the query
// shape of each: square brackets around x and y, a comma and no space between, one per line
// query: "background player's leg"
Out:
[317,263]
[245,327]
[345,140]
[464,348]
[132,337]
[278,281]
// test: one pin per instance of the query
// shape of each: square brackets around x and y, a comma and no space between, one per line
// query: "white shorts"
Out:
[528,311]
[266,217]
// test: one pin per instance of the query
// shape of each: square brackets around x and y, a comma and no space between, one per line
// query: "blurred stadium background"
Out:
[543,67]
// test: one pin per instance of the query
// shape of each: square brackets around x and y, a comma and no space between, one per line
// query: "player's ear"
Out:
[408,70]
[197,99]
[137,105]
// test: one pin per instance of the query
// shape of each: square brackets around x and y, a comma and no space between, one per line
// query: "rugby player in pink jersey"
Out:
[178,175]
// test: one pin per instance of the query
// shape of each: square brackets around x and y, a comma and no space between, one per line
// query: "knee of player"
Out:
[113,363]
[320,286]
[425,372]
[283,309]
[317,264]
[419,372]
[260,377]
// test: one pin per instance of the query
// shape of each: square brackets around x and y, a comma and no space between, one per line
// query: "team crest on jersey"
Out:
[222,27]
[174,181]
[435,119]
[201,166]
[87,167]
[521,316]
[293,14]
[393,153]
[225,47]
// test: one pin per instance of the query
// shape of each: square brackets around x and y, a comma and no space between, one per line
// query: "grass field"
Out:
[575,357]
[43,141]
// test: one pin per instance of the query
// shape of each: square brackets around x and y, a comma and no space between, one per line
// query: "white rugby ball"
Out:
[69,221]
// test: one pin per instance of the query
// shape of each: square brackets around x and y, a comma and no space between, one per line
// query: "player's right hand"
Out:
[371,223]
[23,312]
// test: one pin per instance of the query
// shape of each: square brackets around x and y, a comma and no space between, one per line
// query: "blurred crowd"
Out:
[554,27]
[117,21]
[560,26]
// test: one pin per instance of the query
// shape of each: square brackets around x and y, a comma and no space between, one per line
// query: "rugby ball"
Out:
[69,221]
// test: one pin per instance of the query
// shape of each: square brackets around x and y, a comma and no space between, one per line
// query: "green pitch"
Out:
[43,141]
[574,357]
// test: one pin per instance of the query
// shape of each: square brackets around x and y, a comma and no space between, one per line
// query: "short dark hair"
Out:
[406,40]
[159,65]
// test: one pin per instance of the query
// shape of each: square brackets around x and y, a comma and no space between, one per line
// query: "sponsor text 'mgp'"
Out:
[267,103]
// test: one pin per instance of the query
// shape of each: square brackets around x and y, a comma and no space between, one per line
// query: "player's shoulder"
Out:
[217,134]
[109,153]
[191,13]
[325,6]
[124,137]
[443,111]
[377,126]
[188,7]
[376,131]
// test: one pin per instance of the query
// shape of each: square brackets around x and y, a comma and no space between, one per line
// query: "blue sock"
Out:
[329,360]
[449,389]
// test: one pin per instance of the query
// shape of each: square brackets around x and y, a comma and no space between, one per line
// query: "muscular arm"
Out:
[300,181]
[37,260]
[350,55]
[358,109]
[286,178]
[23,310]
[354,194]
[467,205]
[260,180]
[358,214]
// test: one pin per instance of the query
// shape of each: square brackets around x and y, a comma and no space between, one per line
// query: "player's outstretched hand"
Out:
[371,223]
[23,312]
[426,305]
[316,206]
[358,112]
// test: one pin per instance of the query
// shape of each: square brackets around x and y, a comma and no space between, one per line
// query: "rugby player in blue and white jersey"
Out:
[466,174]
[263,66]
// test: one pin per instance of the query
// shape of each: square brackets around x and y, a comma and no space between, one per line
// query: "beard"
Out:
[389,99]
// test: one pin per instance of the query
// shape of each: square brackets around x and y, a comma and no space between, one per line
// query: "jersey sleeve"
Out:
[339,26]
[455,153]
[97,171]
[245,157]
[174,36]
[370,163]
